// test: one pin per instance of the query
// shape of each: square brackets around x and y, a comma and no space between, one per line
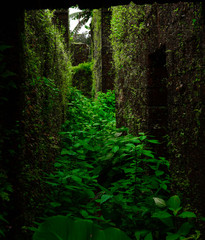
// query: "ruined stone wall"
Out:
[107,63]
[96,35]
[158,52]
[61,20]
[34,98]
[103,71]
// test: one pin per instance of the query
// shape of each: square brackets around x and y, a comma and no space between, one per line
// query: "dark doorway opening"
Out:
[157,96]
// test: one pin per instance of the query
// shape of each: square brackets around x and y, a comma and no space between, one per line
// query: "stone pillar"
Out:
[62,21]
[107,61]
[102,50]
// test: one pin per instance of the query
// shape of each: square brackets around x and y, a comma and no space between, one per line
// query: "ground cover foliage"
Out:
[112,178]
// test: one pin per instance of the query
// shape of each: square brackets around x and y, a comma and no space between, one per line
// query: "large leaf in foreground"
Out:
[64,228]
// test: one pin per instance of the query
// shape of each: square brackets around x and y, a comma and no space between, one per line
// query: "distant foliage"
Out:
[83,16]
[84,37]
[83,78]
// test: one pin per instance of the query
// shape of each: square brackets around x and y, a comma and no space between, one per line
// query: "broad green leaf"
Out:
[159,202]
[153,141]
[129,170]
[118,134]
[67,152]
[185,229]
[90,193]
[115,148]
[187,214]
[159,173]
[174,203]
[57,164]
[54,228]
[55,204]
[2,233]
[142,136]
[109,156]
[168,222]
[64,228]
[84,213]
[113,234]
[172,236]
[130,145]
[161,215]
[139,234]
[76,178]
[175,211]
[148,153]
[134,140]
[148,236]
[163,186]
[105,197]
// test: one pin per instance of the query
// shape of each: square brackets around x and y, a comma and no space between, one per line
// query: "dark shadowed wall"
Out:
[159,52]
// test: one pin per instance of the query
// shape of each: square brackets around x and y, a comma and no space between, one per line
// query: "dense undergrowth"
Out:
[111,177]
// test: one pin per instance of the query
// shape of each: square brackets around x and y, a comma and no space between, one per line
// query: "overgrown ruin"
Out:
[158,53]
[153,55]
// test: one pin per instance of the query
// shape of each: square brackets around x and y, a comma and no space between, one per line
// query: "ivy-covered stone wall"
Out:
[80,53]
[103,69]
[45,72]
[61,20]
[158,51]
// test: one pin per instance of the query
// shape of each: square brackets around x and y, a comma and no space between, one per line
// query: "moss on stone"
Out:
[176,31]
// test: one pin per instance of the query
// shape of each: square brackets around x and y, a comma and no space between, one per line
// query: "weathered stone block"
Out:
[103,70]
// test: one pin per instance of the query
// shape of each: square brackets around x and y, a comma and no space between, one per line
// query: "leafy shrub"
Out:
[171,219]
[82,78]
[107,101]
[109,176]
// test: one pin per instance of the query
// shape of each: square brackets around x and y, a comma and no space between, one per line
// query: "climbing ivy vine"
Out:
[47,73]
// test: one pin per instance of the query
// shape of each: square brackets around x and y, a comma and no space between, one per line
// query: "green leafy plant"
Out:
[133,177]
[113,178]
[176,223]
[82,77]
[104,173]
[64,228]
